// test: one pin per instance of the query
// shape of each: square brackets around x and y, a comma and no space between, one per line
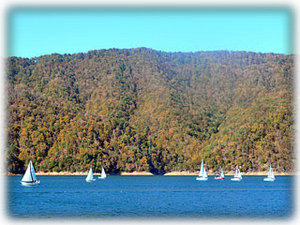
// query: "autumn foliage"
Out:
[146,110]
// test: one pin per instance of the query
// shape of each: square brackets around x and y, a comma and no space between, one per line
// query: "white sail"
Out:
[237,175]
[202,175]
[90,176]
[29,177]
[271,173]
[271,176]
[32,171]
[222,174]
[202,170]
[103,174]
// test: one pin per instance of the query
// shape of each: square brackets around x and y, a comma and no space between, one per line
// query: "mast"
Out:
[30,163]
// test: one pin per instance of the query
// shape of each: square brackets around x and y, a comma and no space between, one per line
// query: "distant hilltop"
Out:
[145,110]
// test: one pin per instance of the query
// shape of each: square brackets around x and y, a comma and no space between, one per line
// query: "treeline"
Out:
[146,110]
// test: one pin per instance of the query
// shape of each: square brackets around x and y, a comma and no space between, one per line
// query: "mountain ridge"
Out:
[147,110]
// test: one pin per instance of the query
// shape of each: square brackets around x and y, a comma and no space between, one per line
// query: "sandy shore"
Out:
[181,173]
[145,173]
[64,173]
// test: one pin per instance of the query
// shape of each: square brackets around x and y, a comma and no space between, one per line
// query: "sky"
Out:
[34,32]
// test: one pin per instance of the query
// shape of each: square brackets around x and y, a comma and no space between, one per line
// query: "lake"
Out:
[150,196]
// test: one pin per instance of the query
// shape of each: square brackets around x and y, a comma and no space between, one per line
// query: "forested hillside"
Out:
[146,110]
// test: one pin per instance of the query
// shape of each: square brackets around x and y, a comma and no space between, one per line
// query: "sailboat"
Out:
[90,176]
[237,175]
[103,174]
[270,176]
[221,175]
[202,175]
[29,178]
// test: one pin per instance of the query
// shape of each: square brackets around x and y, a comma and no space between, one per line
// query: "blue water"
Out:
[150,196]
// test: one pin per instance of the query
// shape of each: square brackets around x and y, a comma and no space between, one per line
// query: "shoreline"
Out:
[229,173]
[145,173]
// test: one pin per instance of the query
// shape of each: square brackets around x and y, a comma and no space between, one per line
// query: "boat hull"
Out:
[30,183]
[219,178]
[102,178]
[202,178]
[90,180]
[269,179]
[236,179]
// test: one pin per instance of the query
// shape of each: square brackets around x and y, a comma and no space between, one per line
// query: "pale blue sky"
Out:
[35,32]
